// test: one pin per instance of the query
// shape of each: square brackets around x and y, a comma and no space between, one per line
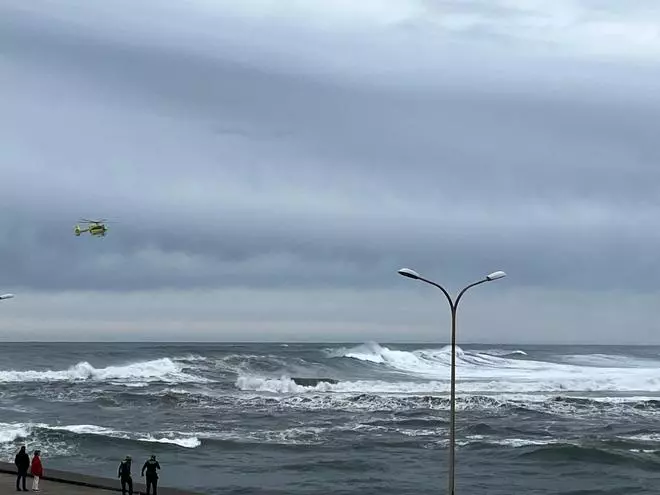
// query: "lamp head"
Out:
[407,272]
[496,275]
[6,296]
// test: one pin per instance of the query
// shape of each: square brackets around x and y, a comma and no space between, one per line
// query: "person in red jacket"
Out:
[37,470]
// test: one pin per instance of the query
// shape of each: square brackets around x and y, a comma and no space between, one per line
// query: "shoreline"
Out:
[93,482]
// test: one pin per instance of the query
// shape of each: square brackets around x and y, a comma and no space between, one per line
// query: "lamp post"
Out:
[407,272]
[6,296]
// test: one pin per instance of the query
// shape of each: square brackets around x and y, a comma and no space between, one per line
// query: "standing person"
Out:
[125,476]
[22,462]
[37,470]
[152,475]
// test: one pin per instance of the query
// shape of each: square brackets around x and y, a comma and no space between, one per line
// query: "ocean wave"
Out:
[609,361]
[400,397]
[37,432]
[591,453]
[483,371]
[11,432]
[174,438]
[503,352]
[164,369]
[192,358]
[433,363]
[286,385]
[515,443]
[370,367]
[565,383]
[421,361]
[642,437]
[302,435]
[241,364]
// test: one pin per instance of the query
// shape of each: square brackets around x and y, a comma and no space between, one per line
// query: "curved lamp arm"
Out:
[460,294]
[444,291]
[407,272]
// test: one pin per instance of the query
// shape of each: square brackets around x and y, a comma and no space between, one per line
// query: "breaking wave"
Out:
[425,362]
[495,371]
[10,433]
[164,369]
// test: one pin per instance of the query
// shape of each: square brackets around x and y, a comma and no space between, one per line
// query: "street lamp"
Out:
[6,296]
[407,272]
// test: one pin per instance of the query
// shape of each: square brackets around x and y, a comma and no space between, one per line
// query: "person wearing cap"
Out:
[37,470]
[151,466]
[124,475]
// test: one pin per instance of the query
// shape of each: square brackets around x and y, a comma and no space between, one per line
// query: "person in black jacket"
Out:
[124,474]
[22,462]
[152,475]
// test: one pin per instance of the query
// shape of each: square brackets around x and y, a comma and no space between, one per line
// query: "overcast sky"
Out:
[271,164]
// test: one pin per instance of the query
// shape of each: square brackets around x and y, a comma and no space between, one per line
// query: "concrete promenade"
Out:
[58,482]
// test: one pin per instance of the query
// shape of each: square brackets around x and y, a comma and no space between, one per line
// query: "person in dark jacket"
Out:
[151,466]
[124,474]
[22,462]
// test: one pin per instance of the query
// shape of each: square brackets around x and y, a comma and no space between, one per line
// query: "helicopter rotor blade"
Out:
[86,220]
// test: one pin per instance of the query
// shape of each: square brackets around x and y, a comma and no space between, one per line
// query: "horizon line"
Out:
[336,342]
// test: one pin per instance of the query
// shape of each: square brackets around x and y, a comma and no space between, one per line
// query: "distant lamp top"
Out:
[6,296]
[496,275]
[407,272]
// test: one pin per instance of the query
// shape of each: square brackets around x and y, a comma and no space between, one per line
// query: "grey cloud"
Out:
[223,174]
[491,136]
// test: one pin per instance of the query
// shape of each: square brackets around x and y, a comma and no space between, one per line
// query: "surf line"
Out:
[312,382]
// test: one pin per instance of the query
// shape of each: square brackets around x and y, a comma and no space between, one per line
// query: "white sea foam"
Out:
[609,361]
[168,437]
[81,429]
[647,437]
[483,372]
[192,358]
[429,363]
[503,352]
[491,385]
[513,442]
[187,442]
[302,435]
[163,369]
[9,432]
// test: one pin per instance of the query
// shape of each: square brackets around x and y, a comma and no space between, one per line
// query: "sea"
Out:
[368,418]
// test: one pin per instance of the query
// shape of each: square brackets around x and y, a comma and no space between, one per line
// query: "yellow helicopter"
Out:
[94,227]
